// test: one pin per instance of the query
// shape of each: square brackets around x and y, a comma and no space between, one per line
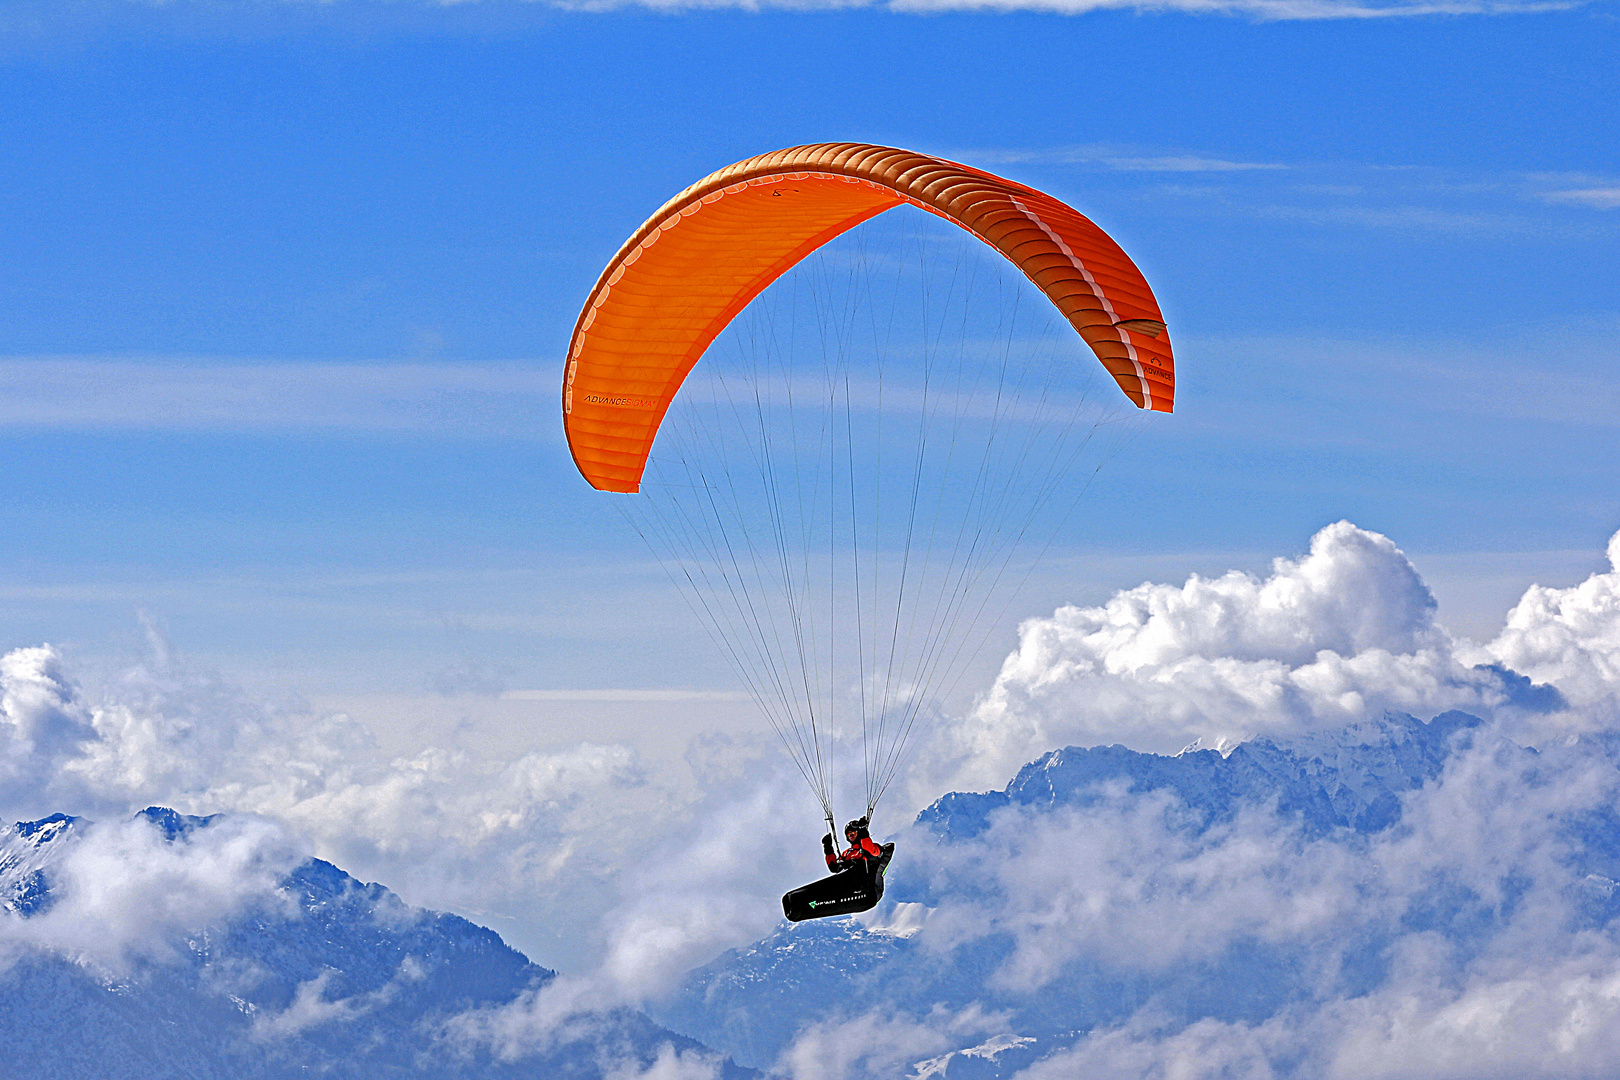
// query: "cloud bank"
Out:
[1474,939]
[446,828]
[1479,904]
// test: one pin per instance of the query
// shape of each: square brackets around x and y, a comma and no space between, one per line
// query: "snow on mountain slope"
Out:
[323,974]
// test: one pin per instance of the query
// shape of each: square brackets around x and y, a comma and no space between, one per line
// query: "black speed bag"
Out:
[843,893]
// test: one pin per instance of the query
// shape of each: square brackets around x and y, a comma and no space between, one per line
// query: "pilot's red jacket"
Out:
[864,848]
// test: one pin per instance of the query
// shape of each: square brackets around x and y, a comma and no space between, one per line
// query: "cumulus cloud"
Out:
[646,877]
[710,883]
[1343,633]
[1474,938]
[1569,637]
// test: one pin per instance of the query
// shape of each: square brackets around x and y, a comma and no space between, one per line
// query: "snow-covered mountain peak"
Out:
[1348,777]
[989,1050]
[175,826]
[1221,745]
[27,849]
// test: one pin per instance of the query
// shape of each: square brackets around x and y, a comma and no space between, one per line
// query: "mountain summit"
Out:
[1352,777]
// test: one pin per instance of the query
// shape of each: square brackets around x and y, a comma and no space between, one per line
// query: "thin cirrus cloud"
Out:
[1119,159]
[1260,10]
[1601,198]
[1264,10]
[117,394]
[1333,195]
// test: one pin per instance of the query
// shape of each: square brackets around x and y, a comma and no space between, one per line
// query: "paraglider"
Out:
[856,881]
[843,512]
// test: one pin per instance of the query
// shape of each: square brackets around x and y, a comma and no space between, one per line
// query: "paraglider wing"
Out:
[712,249]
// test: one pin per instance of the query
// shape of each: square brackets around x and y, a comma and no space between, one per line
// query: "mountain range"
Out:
[330,976]
[341,978]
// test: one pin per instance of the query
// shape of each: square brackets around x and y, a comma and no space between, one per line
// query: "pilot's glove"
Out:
[826,844]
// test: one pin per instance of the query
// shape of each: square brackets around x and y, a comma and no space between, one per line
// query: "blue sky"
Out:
[284,286]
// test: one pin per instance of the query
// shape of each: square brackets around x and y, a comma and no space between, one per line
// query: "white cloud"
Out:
[310,1007]
[122,891]
[43,723]
[566,1009]
[1526,1019]
[1531,1020]
[446,828]
[1403,218]
[1263,10]
[1348,629]
[1256,9]
[571,1010]
[711,890]
[670,1064]
[1185,163]
[1143,1049]
[1570,638]
[1480,902]
[1343,633]
[879,1043]
[1154,896]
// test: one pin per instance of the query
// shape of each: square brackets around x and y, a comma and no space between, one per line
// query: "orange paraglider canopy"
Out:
[706,253]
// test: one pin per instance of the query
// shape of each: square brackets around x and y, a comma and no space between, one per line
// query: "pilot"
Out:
[863,851]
